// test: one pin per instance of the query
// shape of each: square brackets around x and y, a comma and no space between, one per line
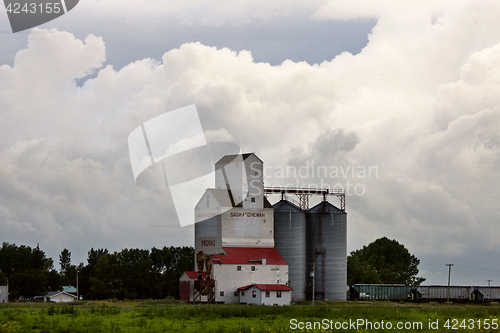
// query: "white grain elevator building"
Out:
[235,227]
[258,252]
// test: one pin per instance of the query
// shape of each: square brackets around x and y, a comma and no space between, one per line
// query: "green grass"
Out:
[173,316]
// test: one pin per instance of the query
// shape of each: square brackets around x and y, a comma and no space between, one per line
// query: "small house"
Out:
[265,294]
[57,297]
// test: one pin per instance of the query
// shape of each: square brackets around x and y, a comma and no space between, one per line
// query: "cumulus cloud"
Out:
[419,104]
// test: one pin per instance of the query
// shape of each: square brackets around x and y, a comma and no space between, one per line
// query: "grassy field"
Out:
[172,316]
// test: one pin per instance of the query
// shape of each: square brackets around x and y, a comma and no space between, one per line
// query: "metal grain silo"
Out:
[327,247]
[290,241]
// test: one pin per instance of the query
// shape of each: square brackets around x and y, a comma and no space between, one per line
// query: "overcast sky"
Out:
[409,90]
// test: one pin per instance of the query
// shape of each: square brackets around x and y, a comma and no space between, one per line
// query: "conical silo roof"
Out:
[285,206]
[325,207]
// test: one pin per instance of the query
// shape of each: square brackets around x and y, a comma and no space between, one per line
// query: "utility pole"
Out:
[314,284]
[77,294]
[489,290]
[449,275]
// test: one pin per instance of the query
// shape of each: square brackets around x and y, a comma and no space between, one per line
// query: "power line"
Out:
[456,274]
[458,265]
[486,269]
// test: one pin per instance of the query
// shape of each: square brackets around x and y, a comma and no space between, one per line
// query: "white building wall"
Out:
[245,179]
[273,298]
[61,298]
[254,169]
[229,279]
[4,294]
[219,224]
[238,227]
[233,176]
[246,297]
[242,227]
[208,226]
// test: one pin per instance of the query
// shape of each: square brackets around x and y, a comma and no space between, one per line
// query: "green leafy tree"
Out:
[183,260]
[65,261]
[54,281]
[28,283]
[87,272]
[68,271]
[105,280]
[130,273]
[383,261]
[359,271]
[135,274]
[3,279]
[27,270]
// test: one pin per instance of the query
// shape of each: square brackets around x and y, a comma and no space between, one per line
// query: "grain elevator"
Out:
[252,252]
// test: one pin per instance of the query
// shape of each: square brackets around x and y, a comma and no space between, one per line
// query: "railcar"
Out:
[386,292]
[434,293]
[486,294]
[440,293]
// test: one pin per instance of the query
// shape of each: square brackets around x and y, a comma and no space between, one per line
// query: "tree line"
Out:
[383,261]
[139,274]
[128,274]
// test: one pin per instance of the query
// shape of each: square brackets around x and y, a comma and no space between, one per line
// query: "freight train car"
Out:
[400,292]
[386,292]
[440,293]
[486,294]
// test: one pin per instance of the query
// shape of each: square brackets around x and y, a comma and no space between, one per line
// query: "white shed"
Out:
[186,286]
[59,297]
[4,294]
[265,294]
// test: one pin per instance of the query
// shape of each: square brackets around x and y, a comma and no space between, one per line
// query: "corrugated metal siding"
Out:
[382,292]
[290,241]
[488,293]
[325,208]
[441,292]
[327,247]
